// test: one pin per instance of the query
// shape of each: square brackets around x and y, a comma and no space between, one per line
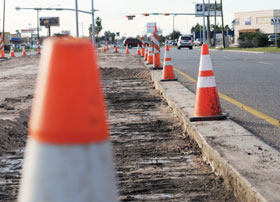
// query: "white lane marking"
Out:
[266,63]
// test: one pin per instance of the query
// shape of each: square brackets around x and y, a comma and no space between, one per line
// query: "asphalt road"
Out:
[252,79]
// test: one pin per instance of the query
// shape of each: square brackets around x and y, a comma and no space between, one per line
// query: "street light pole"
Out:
[38,29]
[4,22]
[93,26]
[204,30]
[77,18]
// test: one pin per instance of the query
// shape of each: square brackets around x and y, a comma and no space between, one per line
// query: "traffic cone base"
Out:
[126,50]
[156,61]
[207,102]
[143,52]
[3,54]
[61,174]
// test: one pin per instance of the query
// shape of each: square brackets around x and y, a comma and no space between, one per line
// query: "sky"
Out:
[113,12]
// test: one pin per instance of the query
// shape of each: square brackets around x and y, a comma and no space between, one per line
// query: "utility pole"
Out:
[77,19]
[223,28]
[4,22]
[208,25]
[215,23]
[38,29]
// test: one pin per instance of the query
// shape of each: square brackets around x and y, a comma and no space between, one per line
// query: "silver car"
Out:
[185,42]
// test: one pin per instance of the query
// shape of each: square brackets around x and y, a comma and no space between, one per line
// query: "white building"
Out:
[255,21]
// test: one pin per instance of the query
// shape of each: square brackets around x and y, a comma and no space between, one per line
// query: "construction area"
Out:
[155,159]
[158,154]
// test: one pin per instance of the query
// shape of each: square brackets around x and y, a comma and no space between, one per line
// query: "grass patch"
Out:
[261,49]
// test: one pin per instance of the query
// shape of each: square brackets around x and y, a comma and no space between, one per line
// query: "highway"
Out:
[249,84]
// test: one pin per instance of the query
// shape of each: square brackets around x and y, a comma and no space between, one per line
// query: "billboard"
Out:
[199,9]
[49,21]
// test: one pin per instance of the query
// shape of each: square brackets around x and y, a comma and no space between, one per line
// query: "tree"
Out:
[174,35]
[98,26]
[109,35]
[196,28]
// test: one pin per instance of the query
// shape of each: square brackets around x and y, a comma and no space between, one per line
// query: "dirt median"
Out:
[154,160]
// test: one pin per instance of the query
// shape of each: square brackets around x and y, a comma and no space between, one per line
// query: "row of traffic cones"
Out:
[207,104]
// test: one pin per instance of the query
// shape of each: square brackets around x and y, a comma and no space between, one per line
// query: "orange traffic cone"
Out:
[38,47]
[68,156]
[207,103]
[138,50]
[143,47]
[116,48]
[23,51]
[168,73]
[156,58]
[150,56]
[3,53]
[12,52]
[146,53]
[126,50]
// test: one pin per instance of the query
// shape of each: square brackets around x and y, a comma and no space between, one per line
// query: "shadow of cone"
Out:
[68,156]
[168,73]
[207,102]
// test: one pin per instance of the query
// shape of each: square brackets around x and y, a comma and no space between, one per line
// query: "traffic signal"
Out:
[146,14]
[166,14]
[130,17]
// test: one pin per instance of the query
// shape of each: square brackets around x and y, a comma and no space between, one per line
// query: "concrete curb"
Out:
[249,167]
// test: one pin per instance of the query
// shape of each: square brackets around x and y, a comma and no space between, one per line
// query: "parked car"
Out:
[272,37]
[198,42]
[132,42]
[185,42]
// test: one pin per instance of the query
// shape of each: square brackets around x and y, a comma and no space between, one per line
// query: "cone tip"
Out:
[204,50]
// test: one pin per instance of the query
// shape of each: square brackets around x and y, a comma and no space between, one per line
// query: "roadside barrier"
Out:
[150,55]
[156,58]
[2,48]
[146,53]
[12,51]
[138,50]
[23,51]
[207,102]
[143,47]
[68,156]
[126,50]
[168,73]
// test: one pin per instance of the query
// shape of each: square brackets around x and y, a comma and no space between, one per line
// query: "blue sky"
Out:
[113,14]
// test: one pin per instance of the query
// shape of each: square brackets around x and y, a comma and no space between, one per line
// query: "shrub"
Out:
[253,39]
[278,43]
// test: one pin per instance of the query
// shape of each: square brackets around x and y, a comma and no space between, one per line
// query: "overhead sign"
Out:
[275,21]
[199,9]
[151,27]
[27,31]
[49,21]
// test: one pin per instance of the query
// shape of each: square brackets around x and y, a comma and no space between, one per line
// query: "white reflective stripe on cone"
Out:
[206,82]
[167,63]
[205,63]
[156,51]
[68,173]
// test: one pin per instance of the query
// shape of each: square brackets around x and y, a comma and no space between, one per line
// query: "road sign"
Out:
[151,27]
[275,21]
[49,21]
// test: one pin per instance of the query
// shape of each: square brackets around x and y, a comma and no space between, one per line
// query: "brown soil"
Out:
[154,161]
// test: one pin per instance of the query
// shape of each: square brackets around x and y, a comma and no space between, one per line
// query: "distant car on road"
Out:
[133,42]
[198,42]
[272,37]
[185,42]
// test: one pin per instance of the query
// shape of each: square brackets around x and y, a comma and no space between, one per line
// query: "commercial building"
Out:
[256,21]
